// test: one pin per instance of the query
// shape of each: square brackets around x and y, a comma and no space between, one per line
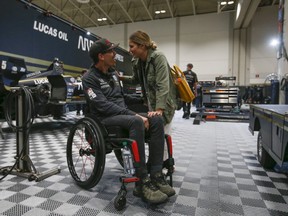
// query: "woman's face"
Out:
[136,50]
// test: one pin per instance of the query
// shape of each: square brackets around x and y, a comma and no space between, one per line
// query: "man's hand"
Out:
[145,120]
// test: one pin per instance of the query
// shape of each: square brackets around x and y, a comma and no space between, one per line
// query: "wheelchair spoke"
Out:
[83,171]
[87,163]
[76,162]
[80,133]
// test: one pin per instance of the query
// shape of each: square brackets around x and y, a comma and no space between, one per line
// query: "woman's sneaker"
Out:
[150,193]
[159,180]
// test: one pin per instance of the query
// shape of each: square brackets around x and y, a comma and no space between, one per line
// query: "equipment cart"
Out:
[272,123]
[220,96]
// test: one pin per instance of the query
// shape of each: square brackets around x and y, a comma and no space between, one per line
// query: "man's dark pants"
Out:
[186,108]
[135,126]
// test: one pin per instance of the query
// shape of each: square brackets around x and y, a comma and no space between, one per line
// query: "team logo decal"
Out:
[115,78]
[91,93]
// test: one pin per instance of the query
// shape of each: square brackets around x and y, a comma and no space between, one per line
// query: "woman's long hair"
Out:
[142,38]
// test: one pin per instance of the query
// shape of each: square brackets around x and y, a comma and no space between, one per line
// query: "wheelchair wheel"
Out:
[85,153]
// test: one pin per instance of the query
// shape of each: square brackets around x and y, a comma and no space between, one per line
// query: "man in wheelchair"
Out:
[106,101]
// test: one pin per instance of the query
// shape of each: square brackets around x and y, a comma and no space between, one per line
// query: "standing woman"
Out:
[151,70]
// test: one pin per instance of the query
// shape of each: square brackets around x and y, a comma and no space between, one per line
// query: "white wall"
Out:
[205,41]
[263,56]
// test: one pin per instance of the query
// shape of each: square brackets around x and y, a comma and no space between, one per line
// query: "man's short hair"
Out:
[189,65]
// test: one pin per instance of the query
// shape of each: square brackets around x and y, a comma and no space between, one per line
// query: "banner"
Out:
[39,37]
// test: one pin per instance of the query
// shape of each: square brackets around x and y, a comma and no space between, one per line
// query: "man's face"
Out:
[109,58]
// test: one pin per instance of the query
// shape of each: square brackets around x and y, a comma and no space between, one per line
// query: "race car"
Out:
[51,88]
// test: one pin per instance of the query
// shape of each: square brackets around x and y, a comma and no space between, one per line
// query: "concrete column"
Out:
[235,54]
[231,39]
[281,54]
[242,57]
[239,58]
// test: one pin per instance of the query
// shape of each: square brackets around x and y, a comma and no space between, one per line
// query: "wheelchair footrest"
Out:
[129,179]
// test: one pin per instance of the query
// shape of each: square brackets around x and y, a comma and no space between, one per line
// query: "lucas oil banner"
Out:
[30,33]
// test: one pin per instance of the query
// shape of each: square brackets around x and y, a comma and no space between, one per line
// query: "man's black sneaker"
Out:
[149,192]
[159,180]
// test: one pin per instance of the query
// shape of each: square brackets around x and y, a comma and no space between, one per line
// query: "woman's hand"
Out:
[155,113]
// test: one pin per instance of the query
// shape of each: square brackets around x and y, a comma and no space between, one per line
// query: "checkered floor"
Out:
[216,173]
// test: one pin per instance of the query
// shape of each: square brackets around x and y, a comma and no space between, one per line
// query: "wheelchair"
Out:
[88,143]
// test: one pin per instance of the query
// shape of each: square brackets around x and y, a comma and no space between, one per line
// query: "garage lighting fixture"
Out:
[238,10]
[160,11]
[88,33]
[102,19]
[222,4]
[274,42]
[226,2]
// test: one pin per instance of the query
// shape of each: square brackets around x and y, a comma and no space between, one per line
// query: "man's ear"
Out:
[100,56]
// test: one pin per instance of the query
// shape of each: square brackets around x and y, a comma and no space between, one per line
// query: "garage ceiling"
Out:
[128,11]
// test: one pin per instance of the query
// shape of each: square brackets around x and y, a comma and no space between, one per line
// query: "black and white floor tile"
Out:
[216,174]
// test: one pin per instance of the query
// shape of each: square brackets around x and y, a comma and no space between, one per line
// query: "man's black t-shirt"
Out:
[191,78]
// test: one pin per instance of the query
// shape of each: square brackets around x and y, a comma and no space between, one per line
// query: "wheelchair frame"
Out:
[88,143]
